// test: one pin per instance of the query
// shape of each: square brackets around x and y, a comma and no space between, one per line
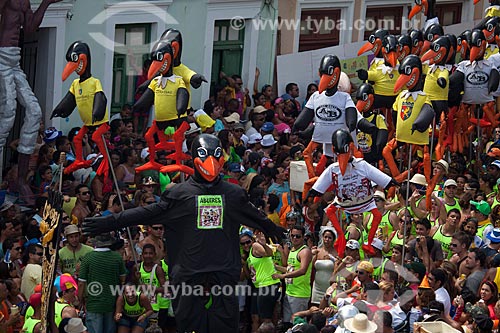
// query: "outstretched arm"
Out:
[65,106]
[146,101]
[148,215]
[303,120]
[32,20]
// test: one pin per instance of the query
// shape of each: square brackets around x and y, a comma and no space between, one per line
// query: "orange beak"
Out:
[427,46]
[476,2]
[392,58]
[365,48]
[210,168]
[343,160]
[78,66]
[361,105]
[329,81]
[401,82]
[159,67]
[417,9]
[474,53]
[489,35]
[429,55]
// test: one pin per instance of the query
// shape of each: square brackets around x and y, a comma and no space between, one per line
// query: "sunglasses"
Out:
[85,193]
[157,228]
[18,248]
[360,272]
[38,253]
[150,202]
[295,236]
[248,242]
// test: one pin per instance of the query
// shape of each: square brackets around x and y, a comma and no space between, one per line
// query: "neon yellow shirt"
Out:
[186,73]
[84,95]
[385,78]
[166,97]
[408,110]
[431,88]
[490,50]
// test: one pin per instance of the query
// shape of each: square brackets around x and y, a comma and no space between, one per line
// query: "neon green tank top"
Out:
[450,207]
[261,270]
[480,229]
[495,203]
[133,310]
[298,286]
[384,227]
[163,302]
[58,309]
[445,242]
[378,271]
[29,325]
[145,280]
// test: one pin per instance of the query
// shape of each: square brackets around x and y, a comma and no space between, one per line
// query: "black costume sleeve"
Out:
[381,141]
[367,127]
[146,101]
[493,81]
[252,217]
[142,88]
[148,215]
[303,120]
[424,119]
[65,106]
[196,80]
[182,100]
[351,118]
[99,109]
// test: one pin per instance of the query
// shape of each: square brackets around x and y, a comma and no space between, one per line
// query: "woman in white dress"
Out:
[324,257]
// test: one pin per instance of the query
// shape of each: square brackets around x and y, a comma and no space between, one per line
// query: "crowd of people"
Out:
[429,265]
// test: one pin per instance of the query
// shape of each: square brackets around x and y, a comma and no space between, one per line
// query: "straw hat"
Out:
[360,324]
[418,179]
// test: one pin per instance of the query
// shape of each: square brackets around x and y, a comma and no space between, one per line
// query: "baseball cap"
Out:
[239,126]
[203,120]
[234,167]
[267,127]
[482,206]
[71,229]
[352,244]
[286,97]
[378,244]
[35,300]
[450,182]
[259,109]
[366,266]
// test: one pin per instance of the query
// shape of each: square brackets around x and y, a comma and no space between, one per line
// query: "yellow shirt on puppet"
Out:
[186,73]
[408,108]
[433,91]
[84,96]
[165,90]
[384,78]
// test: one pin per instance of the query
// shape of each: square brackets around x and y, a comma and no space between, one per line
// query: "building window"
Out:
[319,29]
[227,52]
[388,18]
[131,50]
[450,13]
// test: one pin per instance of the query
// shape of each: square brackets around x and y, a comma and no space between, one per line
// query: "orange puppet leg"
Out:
[97,138]
[377,217]
[489,111]
[428,193]
[331,212]
[387,154]
[152,164]
[79,161]
[427,164]
[321,166]
[450,125]
[308,184]
[308,152]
